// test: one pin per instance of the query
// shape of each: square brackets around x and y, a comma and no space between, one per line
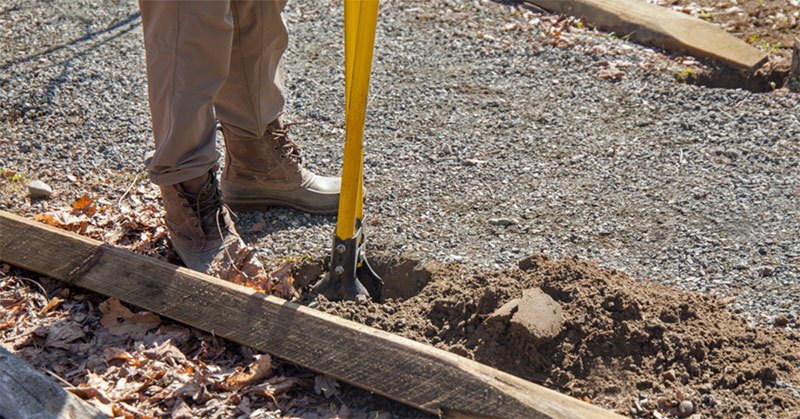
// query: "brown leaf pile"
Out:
[136,365]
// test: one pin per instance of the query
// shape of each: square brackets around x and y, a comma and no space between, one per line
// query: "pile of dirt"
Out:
[631,346]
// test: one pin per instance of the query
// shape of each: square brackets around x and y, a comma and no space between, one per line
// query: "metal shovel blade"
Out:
[350,274]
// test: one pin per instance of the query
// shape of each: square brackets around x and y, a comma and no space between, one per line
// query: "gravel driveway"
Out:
[488,139]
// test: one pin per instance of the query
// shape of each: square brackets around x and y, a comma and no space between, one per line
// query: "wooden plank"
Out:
[661,27]
[410,372]
[26,393]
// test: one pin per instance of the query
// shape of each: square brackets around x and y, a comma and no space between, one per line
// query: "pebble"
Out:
[505,222]
[39,190]
[668,375]
[447,149]
[686,408]
[767,271]
[362,300]
[782,321]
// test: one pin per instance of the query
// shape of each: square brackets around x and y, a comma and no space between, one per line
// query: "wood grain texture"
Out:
[661,27]
[26,393]
[410,372]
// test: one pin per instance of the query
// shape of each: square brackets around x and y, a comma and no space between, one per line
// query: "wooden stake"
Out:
[410,372]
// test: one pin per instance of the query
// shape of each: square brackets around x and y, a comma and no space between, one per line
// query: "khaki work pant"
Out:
[208,61]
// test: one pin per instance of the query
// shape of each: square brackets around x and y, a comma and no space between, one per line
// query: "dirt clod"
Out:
[538,317]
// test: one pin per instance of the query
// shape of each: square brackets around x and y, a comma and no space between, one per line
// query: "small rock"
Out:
[39,189]
[362,299]
[538,317]
[668,375]
[686,408]
[505,222]
[782,321]
[767,271]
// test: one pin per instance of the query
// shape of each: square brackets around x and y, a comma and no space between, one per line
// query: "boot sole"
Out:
[265,204]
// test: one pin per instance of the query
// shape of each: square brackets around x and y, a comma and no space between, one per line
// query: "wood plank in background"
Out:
[661,27]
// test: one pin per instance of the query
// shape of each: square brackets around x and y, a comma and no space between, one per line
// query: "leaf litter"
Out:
[134,364]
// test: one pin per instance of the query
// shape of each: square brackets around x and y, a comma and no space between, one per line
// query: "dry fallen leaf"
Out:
[53,303]
[61,334]
[83,205]
[122,322]
[112,353]
[238,262]
[166,352]
[64,220]
[182,411]
[326,386]
[284,280]
[261,368]
[276,386]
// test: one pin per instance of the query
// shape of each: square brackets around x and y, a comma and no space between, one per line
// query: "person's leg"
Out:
[188,46]
[262,166]
[252,95]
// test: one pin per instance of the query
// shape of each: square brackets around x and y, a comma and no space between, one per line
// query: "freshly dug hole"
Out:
[627,345]
[402,277]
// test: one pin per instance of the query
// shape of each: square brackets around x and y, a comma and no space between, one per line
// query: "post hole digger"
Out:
[350,274]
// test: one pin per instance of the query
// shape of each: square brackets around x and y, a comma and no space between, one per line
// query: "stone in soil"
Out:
[39,190]
[535,317]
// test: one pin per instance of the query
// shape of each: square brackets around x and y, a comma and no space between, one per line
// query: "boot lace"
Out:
[289,149]
[208,207]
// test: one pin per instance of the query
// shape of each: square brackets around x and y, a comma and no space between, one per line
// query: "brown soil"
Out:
[771,25]
[631,346]
[768,24]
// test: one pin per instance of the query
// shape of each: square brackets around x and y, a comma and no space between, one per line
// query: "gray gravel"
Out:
[484,142]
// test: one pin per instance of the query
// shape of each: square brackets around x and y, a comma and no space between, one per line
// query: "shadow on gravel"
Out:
[131,20]
[262,224]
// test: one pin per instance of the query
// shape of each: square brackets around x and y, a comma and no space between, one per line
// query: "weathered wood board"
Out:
[26,393]
[661,27]
[410,372]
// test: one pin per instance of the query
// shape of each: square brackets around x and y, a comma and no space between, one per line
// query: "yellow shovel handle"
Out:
[360,20]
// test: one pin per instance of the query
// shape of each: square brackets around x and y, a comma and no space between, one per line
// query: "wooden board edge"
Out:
[80,261]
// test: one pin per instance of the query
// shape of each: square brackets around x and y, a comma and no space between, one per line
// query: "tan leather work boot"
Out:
[203,233]
[268,171]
